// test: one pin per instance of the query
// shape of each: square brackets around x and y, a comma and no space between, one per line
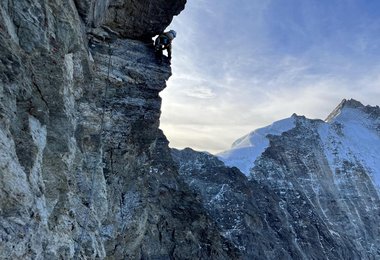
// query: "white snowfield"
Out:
[247,149]
[359,141]
[349,134]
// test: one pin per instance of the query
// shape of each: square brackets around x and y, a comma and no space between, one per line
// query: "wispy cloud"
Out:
[240,67]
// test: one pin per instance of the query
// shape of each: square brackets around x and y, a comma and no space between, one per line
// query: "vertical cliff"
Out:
[84,170]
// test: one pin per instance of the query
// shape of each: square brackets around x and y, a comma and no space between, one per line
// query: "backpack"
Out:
[164,40]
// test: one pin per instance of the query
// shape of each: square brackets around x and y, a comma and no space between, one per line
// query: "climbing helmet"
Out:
[173,33]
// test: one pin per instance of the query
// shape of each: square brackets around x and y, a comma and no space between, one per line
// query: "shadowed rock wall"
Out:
[141,19]
[84,170]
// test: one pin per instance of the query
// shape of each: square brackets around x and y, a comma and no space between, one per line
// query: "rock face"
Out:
[142,19]
[92,11]
[85,171]
[311,193]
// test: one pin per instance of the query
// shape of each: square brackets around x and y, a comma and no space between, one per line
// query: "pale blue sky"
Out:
[240,65]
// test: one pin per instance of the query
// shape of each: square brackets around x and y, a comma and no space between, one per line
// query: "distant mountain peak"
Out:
[350,113]
[354,105]
[351,103]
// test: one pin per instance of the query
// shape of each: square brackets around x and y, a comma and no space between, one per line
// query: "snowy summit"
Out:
[349,136]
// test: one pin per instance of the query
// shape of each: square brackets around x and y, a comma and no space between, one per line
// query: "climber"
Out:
[164,42]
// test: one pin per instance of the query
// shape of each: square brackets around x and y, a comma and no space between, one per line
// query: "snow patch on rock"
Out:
[351,136]
[247,149]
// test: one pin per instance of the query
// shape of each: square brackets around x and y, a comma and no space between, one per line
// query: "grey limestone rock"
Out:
[132,19]
[85,171]
[142,19]
[92,11]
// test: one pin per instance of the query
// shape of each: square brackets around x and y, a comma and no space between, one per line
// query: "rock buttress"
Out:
[151,213]
[85,171]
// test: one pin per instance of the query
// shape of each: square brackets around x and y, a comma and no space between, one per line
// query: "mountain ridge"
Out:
[234,153]
[312,178]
